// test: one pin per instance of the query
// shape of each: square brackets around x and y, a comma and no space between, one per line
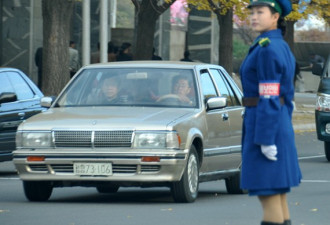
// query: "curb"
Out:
[304,127]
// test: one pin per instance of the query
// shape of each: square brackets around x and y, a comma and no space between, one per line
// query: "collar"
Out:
[277,33]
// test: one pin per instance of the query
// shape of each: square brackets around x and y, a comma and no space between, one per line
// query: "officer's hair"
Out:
[281,24]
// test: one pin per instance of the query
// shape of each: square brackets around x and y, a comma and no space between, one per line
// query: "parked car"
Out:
[145,124]
[322,111]
[19,100]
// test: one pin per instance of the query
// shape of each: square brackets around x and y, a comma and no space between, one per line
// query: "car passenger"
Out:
[110,93]
[110,89]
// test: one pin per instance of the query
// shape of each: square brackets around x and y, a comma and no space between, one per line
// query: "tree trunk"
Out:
[226,41]
[56,37]
[289,34]
[146,18]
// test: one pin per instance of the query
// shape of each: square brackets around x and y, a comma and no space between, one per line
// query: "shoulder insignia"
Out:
[264,42]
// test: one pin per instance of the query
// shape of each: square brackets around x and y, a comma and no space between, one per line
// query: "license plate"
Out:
[104,169]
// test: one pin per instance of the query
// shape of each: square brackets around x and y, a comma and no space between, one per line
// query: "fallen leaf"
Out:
[4,210]
[169,209]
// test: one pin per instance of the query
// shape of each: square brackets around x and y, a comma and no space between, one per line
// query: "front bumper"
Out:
[127,166]
[321,120]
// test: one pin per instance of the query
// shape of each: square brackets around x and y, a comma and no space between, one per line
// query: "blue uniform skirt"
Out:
[266,192]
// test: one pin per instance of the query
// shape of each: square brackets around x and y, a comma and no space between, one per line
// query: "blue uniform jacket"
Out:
[269,64]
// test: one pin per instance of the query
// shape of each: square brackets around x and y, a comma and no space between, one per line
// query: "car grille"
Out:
[116,168]
[93,139]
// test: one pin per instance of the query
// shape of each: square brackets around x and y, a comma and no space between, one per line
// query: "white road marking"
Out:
[311,157]
[315,181]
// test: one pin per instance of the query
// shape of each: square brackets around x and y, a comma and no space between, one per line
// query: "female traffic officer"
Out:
[269,156]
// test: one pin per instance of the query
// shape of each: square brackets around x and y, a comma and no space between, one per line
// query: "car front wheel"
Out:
[186,190]
[37,190]
[327,150]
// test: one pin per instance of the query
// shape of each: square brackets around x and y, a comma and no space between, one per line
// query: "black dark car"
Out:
[19,100]
[322,110]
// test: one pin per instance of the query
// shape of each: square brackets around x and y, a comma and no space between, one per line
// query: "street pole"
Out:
[31,53]
[86,36]
[104,31]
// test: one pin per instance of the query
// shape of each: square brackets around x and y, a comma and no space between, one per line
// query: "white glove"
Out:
[270,151]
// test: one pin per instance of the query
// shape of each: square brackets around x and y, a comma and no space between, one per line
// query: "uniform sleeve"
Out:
[269,70]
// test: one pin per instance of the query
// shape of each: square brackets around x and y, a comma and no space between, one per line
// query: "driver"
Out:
[182,89]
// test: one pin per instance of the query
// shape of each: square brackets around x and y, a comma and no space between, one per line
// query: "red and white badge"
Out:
[268,89]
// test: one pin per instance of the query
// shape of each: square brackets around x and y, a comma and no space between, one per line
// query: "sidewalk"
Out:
[303,117]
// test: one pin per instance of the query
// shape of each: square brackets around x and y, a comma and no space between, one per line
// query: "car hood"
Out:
[107,118]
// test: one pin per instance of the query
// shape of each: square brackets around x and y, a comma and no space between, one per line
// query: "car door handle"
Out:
[224,116]
[21,114]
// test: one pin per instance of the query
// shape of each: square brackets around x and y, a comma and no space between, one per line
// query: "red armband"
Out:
[267,89]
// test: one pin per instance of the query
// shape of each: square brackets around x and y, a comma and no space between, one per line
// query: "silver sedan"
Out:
[142,124]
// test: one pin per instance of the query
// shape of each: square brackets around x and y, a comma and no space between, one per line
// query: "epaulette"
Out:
[264,42]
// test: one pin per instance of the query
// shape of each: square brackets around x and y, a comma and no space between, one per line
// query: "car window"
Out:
[224,89]
[154,87]
[5,83]
[237,91]
[22,89]
[207,85]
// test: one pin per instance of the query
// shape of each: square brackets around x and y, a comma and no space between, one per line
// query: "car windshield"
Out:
[150,87]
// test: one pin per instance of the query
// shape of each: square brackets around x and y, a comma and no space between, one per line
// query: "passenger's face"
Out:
[110,88]
[182,87]
[262,19]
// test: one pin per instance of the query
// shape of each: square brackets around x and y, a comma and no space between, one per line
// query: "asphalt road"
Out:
[309,203]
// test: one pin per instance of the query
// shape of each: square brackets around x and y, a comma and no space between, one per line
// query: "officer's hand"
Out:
[270,151]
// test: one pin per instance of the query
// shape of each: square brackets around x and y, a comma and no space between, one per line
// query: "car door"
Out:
[217,141]
[10,117]
[227,88]
[13,113]
[28,100]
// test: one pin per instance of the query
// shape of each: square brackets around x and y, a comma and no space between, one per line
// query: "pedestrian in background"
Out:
[95,56]
[112,52]
[125,52]
[186,57]
[38,61]
[269,156]
[74,64]
[154,56]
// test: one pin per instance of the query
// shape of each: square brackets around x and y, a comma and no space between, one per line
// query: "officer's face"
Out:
[262,19]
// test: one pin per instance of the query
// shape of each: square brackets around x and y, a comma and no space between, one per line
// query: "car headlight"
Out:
[323,103]
[33,139]
[169,140]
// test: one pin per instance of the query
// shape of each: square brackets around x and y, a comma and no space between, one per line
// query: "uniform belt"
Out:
[253,101]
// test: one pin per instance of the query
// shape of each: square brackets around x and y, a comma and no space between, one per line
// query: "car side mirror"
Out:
[6,97]
[317,69]
[47,101]
[216,103]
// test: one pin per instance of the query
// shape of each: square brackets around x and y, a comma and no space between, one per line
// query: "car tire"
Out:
[327,150]
[108,189]
[233,184]
[37,191]
[186,190]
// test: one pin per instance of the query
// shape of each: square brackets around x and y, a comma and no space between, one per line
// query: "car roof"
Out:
[4,69]
[152,64]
